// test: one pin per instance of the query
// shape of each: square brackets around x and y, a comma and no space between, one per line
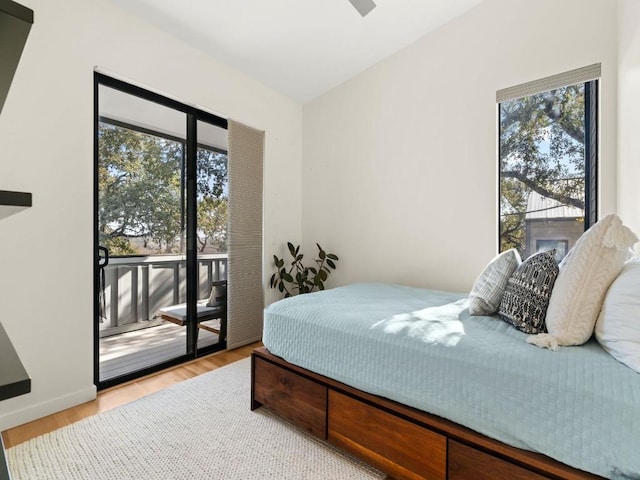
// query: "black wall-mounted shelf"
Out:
[15,199]
[15,24]
[14,381]
[13,202]
[19,11]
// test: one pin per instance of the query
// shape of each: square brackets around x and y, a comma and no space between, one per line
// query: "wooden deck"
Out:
[132,351]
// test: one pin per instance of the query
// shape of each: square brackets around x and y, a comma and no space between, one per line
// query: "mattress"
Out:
[421,348]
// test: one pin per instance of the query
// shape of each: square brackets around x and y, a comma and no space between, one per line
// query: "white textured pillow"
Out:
[585,275]
[618,326]
[489,287]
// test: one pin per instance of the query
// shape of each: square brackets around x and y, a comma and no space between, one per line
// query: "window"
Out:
[142,192]
[548,161]
[561,247]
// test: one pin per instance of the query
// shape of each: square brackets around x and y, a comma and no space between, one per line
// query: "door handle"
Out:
[103,260]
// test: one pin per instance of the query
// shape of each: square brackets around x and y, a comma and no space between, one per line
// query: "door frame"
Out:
[193,115]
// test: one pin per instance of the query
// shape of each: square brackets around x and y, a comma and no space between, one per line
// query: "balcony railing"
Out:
[136,287]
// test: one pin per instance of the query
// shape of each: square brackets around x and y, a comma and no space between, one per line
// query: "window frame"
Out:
[589,76]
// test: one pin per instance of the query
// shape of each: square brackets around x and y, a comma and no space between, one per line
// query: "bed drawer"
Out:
[292,396]
[396,446]
[466,462]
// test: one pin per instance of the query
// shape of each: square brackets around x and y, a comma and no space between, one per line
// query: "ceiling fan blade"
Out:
[363,6]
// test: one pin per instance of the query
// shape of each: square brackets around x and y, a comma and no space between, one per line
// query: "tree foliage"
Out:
[542,149]
[213,215]
[141,193]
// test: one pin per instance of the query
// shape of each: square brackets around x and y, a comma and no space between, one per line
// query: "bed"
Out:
[406,379]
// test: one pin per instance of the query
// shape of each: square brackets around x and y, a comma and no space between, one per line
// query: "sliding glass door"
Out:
[160,232]
[212,214]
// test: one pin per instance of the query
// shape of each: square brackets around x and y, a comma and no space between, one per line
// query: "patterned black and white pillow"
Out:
[526,298]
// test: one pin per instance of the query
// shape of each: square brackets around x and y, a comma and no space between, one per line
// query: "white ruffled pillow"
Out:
[487,291]
[618,326]
[585,275]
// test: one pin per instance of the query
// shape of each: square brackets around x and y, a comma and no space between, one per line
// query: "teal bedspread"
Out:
[421,348]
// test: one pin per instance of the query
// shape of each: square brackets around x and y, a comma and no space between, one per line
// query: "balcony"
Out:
[132,336]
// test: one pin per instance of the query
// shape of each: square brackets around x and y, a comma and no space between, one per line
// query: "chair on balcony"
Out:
[215,307]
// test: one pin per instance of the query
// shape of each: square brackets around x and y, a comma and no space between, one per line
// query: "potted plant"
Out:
[296,278]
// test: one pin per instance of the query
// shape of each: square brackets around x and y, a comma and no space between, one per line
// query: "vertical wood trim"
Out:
[245,297]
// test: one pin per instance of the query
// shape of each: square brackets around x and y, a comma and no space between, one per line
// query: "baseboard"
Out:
[39,410]
[243,342]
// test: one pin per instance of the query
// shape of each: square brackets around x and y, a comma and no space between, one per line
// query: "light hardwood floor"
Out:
[121,394]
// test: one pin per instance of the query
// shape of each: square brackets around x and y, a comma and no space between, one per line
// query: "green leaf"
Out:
[302,279]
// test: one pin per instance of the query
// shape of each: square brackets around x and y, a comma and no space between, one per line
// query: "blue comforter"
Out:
[421,348]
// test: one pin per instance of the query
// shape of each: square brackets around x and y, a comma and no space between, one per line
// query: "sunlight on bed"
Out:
[434,325]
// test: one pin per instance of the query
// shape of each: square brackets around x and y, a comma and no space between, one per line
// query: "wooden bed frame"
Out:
[401,441]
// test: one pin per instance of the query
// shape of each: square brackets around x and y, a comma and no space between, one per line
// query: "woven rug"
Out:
[201,428]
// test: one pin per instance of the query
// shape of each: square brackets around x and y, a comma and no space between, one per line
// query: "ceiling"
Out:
[301,48]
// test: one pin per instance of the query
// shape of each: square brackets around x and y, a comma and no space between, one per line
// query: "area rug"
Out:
[201,428]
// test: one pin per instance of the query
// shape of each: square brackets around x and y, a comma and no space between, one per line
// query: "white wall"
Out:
[399,169]
[629,113]
[46,147]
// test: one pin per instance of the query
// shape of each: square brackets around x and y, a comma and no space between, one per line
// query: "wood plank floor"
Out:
[121,394]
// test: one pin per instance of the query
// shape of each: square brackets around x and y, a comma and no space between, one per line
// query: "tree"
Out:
[212,223]
[213,202]
[542,149]
[141,193]
[211,172]
[513,205]
[139,189]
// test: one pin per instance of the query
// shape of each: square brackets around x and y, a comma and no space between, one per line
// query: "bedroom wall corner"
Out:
[400,168]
